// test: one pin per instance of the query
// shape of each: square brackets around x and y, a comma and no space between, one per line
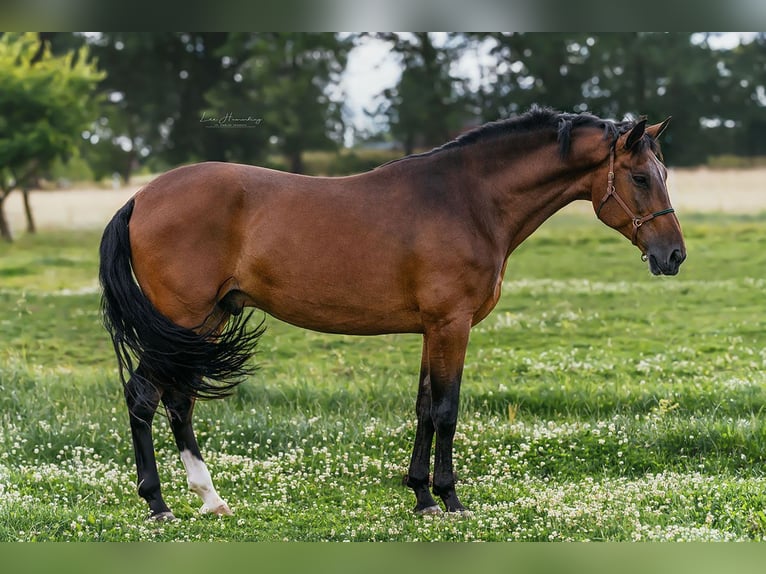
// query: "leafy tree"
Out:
[616,74]
[658,75]
[46,101]
[742,92]
[283,80]
[154,94]
[162,89]
[427,105]
[533,68]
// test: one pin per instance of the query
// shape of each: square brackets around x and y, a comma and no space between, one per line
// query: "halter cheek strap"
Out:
[610,192]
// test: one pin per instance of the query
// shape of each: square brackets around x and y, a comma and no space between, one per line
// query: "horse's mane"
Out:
[536,119]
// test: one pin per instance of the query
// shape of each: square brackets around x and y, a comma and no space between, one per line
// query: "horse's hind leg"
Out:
[180,410]
[142,399]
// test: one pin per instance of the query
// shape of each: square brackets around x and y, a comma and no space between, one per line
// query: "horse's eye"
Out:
[640,180]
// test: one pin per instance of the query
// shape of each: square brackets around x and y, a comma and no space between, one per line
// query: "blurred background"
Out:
[109,109]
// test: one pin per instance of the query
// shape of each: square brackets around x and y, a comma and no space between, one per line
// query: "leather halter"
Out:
[636,220]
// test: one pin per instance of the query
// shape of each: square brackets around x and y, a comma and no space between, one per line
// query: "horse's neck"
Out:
[528,188]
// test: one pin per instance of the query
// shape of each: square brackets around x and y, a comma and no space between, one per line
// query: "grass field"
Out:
[599,403]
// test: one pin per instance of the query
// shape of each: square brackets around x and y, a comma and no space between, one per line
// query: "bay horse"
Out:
[416,245]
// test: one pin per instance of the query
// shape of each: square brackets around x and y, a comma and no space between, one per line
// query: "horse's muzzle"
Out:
[660,264]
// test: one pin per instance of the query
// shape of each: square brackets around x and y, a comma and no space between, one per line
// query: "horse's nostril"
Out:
[677,257]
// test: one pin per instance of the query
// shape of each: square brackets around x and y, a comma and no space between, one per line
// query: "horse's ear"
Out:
[656,130]
[635,134]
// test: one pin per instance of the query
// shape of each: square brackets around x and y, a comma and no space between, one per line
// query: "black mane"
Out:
[535,119]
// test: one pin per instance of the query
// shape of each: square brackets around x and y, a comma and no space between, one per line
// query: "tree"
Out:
[619,74]
[154,92]
[163,89]
[427,106]
[742,89]
[283,81]
[46,102]
[658,75]
[534,68]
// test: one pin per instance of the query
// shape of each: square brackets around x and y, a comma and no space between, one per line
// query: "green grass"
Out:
[599,403]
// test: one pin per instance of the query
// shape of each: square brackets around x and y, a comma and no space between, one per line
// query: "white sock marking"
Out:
[200,482]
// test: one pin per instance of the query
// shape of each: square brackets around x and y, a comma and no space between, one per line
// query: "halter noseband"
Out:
[637,221]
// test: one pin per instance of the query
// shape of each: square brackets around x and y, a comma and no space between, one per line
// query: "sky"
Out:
[370,69]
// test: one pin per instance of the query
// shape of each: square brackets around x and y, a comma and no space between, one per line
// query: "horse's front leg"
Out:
[420,463]
[180,409]
[447,342]
[142,399]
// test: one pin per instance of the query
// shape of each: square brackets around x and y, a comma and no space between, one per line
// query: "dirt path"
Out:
[731,191]
[77,208]
[735,191]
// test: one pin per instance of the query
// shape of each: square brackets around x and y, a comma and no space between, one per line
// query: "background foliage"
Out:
[158,85]
[109,104]
[46,101]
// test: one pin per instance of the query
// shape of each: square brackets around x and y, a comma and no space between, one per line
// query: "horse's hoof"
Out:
[166,516]
[220,510]
[428,510]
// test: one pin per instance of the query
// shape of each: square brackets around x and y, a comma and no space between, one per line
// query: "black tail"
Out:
[203,365]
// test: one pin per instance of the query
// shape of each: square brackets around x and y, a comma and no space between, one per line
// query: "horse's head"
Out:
[633,198]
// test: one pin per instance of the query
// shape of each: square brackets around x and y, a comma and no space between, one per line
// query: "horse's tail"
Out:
[202,365]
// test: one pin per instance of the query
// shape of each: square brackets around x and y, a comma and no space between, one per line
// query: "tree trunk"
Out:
[5,229]
[31,227]
[296,162]
[127,167]
[409,144]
